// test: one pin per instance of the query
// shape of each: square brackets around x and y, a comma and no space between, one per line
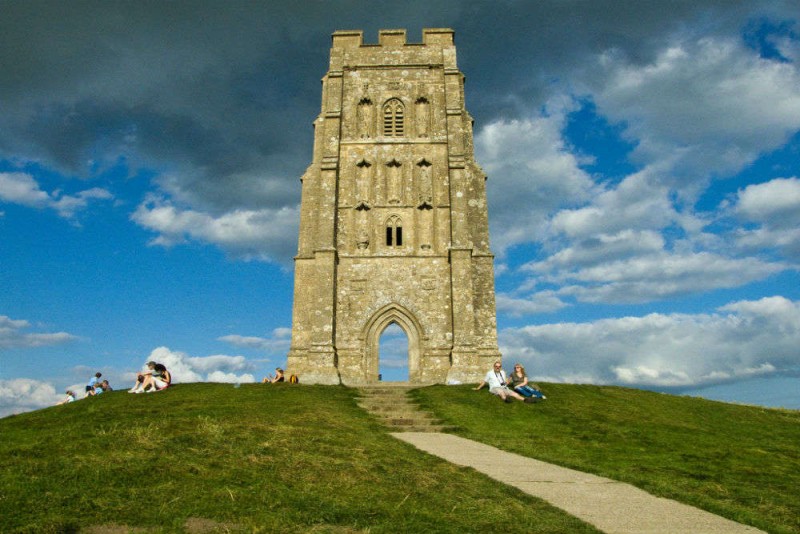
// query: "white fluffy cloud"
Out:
[12,335]
[278,343]
[776,202]
[21,188]
[743,339]
[774,207]
[656,276]
[698,110]
[531,173]
[23,394]
[249,234]
[540,302]
[638,202]
[705,106]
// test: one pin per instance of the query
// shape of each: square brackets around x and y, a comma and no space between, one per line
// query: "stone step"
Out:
[396,394]
[392,407]
[414,428]
[379,409]
[404,415]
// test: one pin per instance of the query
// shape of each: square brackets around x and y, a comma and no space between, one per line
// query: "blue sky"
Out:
[644,187]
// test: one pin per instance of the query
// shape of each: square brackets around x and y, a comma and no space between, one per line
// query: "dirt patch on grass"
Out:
[199,525]
[336,529]
[113,529]
[193,525]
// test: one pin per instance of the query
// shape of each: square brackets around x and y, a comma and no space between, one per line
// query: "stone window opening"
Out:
[394,232]
[393,118]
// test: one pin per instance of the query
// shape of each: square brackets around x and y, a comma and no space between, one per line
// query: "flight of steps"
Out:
[392,406]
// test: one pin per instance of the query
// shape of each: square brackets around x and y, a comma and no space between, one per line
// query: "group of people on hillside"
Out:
[94,387]
[512,386]
[155,378]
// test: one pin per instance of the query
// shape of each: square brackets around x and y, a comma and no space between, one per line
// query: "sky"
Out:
[643,163]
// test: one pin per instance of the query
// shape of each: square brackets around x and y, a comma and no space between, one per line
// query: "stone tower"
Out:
[393,223]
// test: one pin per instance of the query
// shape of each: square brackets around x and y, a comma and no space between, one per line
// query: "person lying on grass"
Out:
[498,385]
[279,377]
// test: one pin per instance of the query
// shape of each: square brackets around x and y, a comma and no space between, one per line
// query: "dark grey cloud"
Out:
[218,98]
[240,78]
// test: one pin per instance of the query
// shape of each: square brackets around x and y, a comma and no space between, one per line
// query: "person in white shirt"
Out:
[69,398]
[498,384]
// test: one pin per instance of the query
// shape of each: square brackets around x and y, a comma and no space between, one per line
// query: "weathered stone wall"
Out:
[394,224]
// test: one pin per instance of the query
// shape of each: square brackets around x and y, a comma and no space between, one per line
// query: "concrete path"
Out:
[611,506]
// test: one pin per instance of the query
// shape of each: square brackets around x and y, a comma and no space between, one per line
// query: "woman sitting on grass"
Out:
[156,379]
[519,381]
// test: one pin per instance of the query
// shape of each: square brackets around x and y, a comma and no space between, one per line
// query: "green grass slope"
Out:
[741,462]
[251,459]
[307,459]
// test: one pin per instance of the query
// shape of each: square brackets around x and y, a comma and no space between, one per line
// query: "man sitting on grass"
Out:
[496,378]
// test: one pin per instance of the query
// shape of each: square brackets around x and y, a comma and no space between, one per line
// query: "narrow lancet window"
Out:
[393,118]
[394,232]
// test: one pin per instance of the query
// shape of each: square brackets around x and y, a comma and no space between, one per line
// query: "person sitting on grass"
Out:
[519,381]
[69,398]
[498,385]
[92,384]
[279,377]
[155,379]
[159,378]
[140,377]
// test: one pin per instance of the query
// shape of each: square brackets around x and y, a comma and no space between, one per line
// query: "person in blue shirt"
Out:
[93,384]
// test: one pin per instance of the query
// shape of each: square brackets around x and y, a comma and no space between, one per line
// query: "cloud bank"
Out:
[741,340]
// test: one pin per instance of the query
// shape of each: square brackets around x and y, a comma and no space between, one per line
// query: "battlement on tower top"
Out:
[389,38]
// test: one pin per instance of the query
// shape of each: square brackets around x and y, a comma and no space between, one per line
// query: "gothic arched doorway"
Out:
[392,314]
[393,354]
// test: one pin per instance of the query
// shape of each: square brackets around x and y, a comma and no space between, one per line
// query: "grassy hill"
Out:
[211,457]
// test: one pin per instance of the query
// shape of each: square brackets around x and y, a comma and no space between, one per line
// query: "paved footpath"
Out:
[611,506]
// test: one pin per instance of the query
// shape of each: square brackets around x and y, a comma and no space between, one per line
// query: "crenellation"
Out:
[438,36]
[392,37]
[431,37]
[347,39]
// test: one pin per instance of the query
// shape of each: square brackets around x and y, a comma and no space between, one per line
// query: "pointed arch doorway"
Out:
[392,317]
[393,354]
